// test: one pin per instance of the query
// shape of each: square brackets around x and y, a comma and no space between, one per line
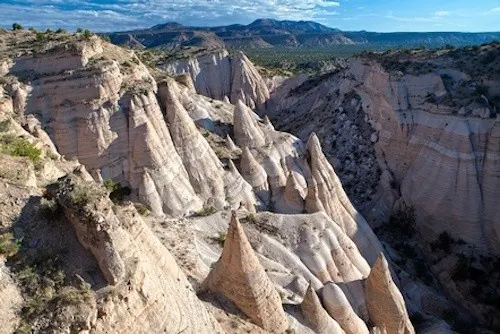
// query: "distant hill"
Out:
[269,33]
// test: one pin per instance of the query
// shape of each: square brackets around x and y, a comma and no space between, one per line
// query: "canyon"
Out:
[200,197]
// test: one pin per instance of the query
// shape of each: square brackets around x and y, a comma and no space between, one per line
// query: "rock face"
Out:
[339,308]
[134,261]
[440,158]
[219,75]
[239,276]
[329,196]
[319,320]
[384,301]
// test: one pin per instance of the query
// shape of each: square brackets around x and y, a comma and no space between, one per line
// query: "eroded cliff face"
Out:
[415,132]
[223,76]
[173,148]
[438,157]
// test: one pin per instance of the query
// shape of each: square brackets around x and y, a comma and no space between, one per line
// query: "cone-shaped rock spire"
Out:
[239,276]
[336,203]
[267,123]
[385,303]
[255,175]
[238,190]
[246,129]
[319,320]
[230,144]
[291,201]
[339,308]
[204,168]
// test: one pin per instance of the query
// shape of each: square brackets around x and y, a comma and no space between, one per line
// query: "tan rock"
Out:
[149,292]
[239,276]
[319,320]
[239,192]
[386,305]
[292,200]
[230,144]
[328,193]
[247,131]
[339,309]
[255,175]
[202,165]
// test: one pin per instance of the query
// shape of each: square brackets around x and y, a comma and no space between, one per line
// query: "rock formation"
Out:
[419,128]
[247,131]
[339,309]
[134,261]
[319,320]
[221,76]
[239,276]
[385,303]
[328,190]
[255,175]
[203,167]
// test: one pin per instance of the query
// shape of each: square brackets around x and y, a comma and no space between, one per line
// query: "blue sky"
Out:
[371,15]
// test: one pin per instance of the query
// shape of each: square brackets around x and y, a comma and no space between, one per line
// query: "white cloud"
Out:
[496,9]
[442,13]
[75,13]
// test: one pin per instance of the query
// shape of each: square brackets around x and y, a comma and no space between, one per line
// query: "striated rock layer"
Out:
[440,158]
[155,297]
[384,301]
[239,276]
[221,76]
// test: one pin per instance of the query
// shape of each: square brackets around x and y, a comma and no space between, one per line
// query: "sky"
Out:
[348,15]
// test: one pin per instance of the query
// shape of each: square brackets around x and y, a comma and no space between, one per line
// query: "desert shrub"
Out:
[403,222]
[142,209]
[20,147]
[43,284]
[84,193]
[250,218]
[87,34]
[41,36]
[222,238]
[206,211]
[5,125]
[443,242]
[117,192]
[9,246]
[61,31]
[79,30]
[17,26]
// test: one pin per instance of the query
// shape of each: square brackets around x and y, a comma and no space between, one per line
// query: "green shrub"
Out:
[222,238]
[403,223]
[61,31]
[250,218]
[9,246]
[206,211]
[444,242]
[5,125]
[87,34]
[20,147]
[142,209]
[83,194]
[41,36]
[17,26]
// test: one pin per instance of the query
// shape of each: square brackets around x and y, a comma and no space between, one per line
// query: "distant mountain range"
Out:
[268,33]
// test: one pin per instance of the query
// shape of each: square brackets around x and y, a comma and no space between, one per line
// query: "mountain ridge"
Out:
[268,33]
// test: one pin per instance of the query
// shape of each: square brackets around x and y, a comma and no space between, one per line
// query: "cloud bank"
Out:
[103,15]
